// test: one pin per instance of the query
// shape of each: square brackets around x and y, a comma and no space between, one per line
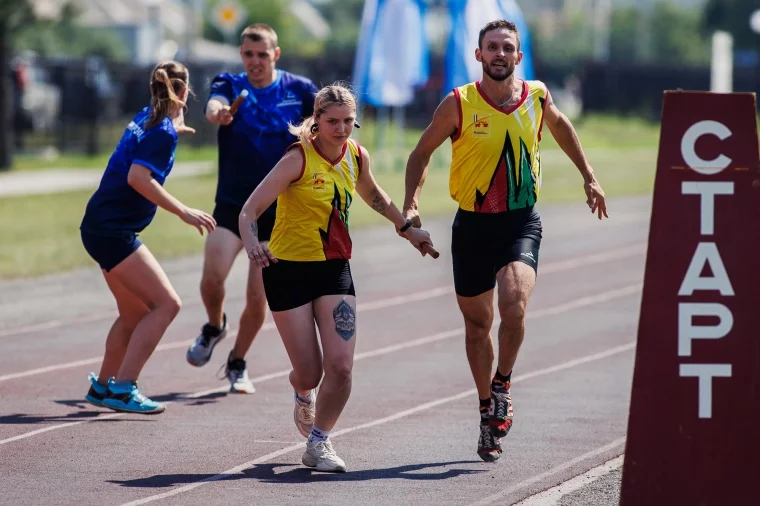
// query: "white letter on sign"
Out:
[688,331]
[707,253]
[707,191]
[705,373]
[689,141]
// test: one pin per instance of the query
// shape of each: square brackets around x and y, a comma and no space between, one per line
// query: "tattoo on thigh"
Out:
[345,320]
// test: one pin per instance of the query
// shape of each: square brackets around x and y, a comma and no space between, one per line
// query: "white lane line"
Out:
[499,496]
[561,308]
[562,265]
[586,301]
[366,306]
[397,416]
[56,427]
[552,496]
[272,441]
[359,356]
[604,296]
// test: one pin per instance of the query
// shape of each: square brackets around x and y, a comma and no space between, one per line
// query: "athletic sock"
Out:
[485,408]
[213,330]
[318,434]
[501,382]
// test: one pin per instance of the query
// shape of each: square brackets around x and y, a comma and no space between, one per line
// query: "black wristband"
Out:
[406,226]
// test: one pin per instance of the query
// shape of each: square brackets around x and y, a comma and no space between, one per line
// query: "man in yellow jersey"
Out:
[495,127]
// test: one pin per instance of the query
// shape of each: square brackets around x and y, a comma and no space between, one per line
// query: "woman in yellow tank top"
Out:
[307,277]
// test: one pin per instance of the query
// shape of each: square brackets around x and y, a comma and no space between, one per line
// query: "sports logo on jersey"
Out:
[135,129]
[317,181]
[290,99]
[481,125]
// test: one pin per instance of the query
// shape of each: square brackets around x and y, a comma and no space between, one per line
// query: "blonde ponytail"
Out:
[168,81]
[304,130]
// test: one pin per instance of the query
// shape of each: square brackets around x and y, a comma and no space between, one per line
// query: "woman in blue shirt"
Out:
[125,202]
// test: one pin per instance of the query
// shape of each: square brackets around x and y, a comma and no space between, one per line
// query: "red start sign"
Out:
[694,423]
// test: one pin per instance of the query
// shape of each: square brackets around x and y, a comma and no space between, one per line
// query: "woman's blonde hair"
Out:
[335,94]
[168,81]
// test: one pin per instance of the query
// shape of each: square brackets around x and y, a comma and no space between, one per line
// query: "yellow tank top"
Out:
[312,213]
[496,164]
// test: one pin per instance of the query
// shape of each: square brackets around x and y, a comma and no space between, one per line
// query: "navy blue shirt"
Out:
[116,207]
[254,142]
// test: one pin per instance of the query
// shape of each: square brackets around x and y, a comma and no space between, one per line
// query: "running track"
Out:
[409,432]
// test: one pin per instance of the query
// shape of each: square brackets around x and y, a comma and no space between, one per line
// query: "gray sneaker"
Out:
[199,353]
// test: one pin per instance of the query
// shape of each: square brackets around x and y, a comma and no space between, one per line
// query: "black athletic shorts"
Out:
[226,216]
[290,284]
[483,243]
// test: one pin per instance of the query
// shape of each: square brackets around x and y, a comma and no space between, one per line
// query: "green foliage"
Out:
[65,37]
[274,13]
[15,15]
[569,40]
[733,17]
[625,34]
[665,33]
[675,35]
[344,18]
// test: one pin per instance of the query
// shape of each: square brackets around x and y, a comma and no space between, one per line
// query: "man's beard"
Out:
[498,77]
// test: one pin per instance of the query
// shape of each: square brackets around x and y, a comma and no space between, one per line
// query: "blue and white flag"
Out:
[467,18]
[392,56]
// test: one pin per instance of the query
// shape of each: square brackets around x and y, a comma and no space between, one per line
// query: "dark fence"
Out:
[93,100]
[97,99]
[637,89]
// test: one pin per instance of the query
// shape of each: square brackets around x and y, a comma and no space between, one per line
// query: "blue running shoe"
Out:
[125,396]
[97,391]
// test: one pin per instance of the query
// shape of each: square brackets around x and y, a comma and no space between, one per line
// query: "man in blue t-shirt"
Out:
[250,143]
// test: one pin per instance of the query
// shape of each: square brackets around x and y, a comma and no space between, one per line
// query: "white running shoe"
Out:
[237,374]
[322,456]
[303,414]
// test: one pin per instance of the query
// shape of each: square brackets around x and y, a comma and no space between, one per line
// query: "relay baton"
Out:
[430,250]
[238,101]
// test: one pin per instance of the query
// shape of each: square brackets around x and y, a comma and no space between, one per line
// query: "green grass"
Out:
[620,172]
[607,132]
[41,232]
[27,162]
[611,132]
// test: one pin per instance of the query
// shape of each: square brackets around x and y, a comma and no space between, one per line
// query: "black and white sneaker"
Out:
[199,353]
[489,446]
[236,372]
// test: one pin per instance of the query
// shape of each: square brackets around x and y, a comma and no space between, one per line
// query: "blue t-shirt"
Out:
[254,142]
[116,207]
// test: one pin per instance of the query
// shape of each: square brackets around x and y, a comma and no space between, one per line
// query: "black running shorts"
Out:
[226,216]
[483,243]
[289,284]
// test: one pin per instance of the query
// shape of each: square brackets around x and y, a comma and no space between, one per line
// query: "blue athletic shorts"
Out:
[110,251]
